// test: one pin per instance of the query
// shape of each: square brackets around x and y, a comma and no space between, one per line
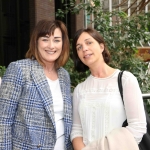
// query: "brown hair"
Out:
[79,66]
[43,28]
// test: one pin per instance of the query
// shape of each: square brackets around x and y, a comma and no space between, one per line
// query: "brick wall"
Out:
[41,9]
[79,19]
[76,22]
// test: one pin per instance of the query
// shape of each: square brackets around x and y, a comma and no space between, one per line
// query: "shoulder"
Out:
[20,66]
[26,64]
[63,75]
[63,72]
[128,75]
[22,63]
[129,79]
[83,85]
[15,71]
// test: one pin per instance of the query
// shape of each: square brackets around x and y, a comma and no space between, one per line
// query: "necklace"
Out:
[49,71]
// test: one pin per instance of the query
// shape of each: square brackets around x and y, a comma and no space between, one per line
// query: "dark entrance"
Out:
[14,30]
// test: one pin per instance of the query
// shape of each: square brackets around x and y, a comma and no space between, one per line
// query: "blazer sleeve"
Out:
[10,91]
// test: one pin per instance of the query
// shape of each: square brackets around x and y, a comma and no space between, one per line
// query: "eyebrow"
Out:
[57,37]
[47,36]
[84,40]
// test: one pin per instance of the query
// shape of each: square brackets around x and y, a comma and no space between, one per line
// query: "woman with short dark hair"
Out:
[98,110]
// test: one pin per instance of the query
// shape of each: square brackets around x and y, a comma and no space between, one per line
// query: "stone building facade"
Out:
[17,20]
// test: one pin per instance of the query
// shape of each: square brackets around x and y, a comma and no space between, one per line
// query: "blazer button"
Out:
[38,146]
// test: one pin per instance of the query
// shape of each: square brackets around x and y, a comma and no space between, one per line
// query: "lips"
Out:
[50,52]
[87,55]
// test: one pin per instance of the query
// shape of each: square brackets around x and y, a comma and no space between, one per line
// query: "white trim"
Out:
[110,10]
[146,8]
[129,10]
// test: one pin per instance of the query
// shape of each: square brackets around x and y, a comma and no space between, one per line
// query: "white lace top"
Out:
[98,107]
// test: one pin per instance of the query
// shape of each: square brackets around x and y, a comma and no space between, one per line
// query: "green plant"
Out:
[2,70]
[121,34]
[75,76]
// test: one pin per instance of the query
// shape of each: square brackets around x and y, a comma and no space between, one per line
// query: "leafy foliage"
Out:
[75,76]
[2,70]
[141,5]
[122,35]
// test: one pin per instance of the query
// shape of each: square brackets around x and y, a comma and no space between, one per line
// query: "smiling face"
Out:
[89,50]
[50,46]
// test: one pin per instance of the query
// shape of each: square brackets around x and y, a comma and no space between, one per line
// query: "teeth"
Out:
[50,52]
[86,56]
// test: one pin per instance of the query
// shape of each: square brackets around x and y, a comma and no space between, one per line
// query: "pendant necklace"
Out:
[49,71]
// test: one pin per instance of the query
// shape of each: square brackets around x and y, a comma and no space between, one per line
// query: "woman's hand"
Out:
[78,143]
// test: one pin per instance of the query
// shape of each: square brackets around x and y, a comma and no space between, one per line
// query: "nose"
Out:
[51,44]
[84,47]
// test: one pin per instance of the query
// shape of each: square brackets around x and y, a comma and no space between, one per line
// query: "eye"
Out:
[56,41]
[44,39]
[79,48]
[88,43]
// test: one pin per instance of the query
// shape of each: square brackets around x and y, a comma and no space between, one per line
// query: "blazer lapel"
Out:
[63,85]
[67,103]
[42,85]
[63,88]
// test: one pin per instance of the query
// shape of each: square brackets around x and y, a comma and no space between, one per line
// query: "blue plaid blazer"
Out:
[26,108]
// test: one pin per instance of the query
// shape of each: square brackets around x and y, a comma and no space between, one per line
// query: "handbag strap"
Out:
[120,84]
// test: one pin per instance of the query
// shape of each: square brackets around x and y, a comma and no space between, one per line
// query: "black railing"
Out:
[146,96]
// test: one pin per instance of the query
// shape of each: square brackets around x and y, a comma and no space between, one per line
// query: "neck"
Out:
[50,69]
[102,71]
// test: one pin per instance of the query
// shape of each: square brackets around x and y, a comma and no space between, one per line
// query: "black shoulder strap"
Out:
[120,84]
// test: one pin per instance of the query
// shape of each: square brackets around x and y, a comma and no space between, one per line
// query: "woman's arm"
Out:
[10,91]
[134,106]
[77,132]
[78,143]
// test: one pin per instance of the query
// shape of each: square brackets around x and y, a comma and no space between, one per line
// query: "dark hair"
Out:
[43,28]
[79,66]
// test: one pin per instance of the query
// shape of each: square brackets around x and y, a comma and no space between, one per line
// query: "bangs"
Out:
[46,30]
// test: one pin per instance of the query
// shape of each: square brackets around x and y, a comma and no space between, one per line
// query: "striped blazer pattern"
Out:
[26,111]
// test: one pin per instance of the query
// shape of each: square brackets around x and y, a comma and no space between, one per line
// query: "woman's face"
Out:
[50,46]
[89,50]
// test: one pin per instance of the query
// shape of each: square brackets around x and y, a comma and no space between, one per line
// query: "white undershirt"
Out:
[58,112]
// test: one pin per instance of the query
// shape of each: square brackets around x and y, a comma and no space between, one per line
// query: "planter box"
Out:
[144,52]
